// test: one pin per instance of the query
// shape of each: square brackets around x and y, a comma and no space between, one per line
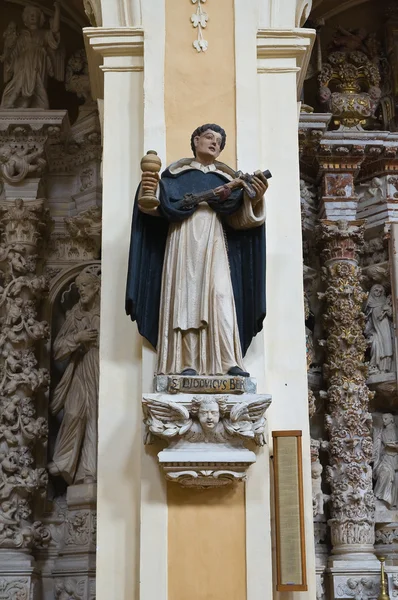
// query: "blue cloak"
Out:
[246,254]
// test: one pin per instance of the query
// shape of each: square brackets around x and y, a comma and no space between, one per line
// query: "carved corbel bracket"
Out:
[24,136]
[206,435]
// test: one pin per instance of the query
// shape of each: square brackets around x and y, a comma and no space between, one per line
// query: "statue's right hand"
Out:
[149,182]
[87,335]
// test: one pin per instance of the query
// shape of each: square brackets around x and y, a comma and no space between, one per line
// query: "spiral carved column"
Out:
[348,421]
[21,430]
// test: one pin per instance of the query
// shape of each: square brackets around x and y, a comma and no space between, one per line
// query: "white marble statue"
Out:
[75,453]
[386,461]
[378,330]
[29,57]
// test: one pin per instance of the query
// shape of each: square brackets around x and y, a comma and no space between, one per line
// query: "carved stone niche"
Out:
[206,431]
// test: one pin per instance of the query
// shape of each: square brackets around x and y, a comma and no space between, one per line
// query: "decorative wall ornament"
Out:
[348,421]
[82,240]
[77,392]
[199,20]
[21,289]
[379,330]
[205,434]
[18,161]
[350,79]
[30,57]
[362,588]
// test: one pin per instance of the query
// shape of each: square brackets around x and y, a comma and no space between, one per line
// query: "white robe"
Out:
[197,323]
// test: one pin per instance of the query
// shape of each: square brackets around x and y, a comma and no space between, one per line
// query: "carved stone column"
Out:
[21,381]
[348,421]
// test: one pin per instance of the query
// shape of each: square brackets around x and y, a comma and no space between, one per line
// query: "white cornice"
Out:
[285,44]
[112,49]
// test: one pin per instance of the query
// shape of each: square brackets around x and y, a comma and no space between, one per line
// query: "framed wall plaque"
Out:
[289,512]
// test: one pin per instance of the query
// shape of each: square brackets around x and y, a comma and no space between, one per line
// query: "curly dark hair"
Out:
[203,128]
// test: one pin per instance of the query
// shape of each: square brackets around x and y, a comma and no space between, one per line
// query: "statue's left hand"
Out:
[260,184]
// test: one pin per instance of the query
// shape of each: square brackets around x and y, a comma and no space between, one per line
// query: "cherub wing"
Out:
[165,419]
[247,420]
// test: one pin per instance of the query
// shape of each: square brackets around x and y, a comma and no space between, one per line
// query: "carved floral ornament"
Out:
[199,21]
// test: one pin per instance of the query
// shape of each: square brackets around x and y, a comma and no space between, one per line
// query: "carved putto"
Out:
[18,161]
[206,419]
[378,329]
[29,57]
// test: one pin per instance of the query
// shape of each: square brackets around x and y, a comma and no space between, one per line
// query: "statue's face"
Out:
[209,415]
[378,290]
[87,290]
[208,145]
[32,17]
[387,419]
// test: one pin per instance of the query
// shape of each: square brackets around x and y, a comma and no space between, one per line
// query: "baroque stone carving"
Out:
[348,421]
[75,453]
[378,329]
[360,589]
[20,378]
[82,240]
[385,463]
[206,435]
[77,77]
[29,57]
[350,70]
[208,419]
[199,20]
[14,588]
[70,589]
[18,161]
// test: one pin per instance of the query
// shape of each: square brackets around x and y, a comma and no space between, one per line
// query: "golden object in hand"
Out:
[150,163]
[383,595]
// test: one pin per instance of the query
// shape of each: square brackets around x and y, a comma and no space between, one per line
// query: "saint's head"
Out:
[207,143]
[32,17]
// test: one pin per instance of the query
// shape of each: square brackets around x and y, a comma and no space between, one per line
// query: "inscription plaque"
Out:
[289,512]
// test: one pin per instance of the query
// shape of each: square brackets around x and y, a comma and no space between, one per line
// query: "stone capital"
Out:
[112,49]
[285,51]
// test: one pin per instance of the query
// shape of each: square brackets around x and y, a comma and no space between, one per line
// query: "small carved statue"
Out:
[29,57]
[77,78]
[75,453]
[378,311]
[317,494]
[204,245]
[208,419]
[16,163]
[386,461]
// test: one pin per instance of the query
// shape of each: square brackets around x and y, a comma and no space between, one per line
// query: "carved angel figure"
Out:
[378,311]
[16,163]
[29,57]
[386,460]
[75,453]
[208,419]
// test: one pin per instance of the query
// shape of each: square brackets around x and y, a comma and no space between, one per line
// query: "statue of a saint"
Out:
[378,311]
[386,461]
[75,453]
[29,57]
[196,279]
